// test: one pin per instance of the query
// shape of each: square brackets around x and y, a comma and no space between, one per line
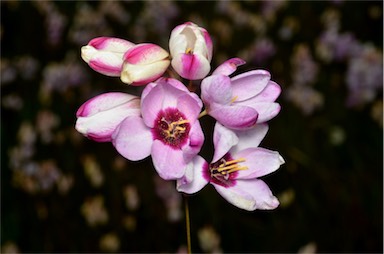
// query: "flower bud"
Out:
[105,54]
[144,63]
[98,117]
[191,51]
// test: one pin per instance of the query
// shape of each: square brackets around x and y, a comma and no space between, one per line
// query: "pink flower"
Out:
[105,54]
[98,117]
[168,129]
[242,101]
[191,51]
[236,166]
[144,63]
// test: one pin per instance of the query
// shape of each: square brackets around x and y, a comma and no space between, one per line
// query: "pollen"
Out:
[225,168]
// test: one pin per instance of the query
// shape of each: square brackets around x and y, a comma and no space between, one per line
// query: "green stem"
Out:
[203,113]
[188,226]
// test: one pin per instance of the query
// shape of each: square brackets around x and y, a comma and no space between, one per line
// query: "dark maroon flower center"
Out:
[224,171]
[171,127]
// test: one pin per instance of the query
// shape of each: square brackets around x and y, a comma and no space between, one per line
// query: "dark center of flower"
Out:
[171,127]
[225,170]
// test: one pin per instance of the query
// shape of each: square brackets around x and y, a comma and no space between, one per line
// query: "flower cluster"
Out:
[164,121]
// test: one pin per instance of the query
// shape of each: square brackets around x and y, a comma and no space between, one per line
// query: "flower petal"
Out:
[145,53]
[106,101]
[132,139]
[260,162]
[249,195]
[137,75]
[196,140]
[216,89]
[111,44]
[191,66]
[269,94]
[249,84]
[197,181]
[106,63]
[228,67]
[168,161]
[223,140]
[250,137]
[266,110]
[234,117]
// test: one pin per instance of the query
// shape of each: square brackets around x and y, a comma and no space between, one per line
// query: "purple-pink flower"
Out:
[168,128]
[242,101]
[235,169]
[191,51]
[144,63]
[98,117]
[105,54]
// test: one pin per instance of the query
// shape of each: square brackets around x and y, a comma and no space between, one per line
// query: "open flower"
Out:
[144,63]
[236,166]
[191,51]
[168,128]
[241,101]
[98,117]
[105,54]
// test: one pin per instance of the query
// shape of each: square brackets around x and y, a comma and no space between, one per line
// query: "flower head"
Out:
[242,101]
[236,166]
[105,54]
[144,63]
[191,51]
[168,128]
[98,117]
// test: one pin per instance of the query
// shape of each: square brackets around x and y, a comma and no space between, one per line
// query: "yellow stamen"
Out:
[232,162]
[236,169]
[219,169]
[189,51]
[234,99]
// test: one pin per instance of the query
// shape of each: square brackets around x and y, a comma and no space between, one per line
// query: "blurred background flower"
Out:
[64,193]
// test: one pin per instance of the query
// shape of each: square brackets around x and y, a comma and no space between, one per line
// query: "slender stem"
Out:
[203,113]
[187,223]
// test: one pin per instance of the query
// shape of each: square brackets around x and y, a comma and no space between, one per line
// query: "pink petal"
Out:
[223,140]
[191,66]
[106,63]
[111,44]
[234,117]
[145,53]
[260,162]
[196,140]
[250,137]
[106,101]
[249,195]
[197,181]
[189,106]
[132,139]
[151,103]
[168,162]
[228,67]
[216,89]
[249,84]
[266,110]
[269,94]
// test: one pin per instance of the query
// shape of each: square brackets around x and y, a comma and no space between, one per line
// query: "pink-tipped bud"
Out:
[191,51]
[98,117]
[105,54]
[144,63]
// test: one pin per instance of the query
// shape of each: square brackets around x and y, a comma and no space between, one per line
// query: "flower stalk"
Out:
[187,223]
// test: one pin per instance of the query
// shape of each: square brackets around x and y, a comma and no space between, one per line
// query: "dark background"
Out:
[329,130]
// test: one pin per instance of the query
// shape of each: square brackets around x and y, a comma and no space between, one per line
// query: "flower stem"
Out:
[203,113]
[187,222]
